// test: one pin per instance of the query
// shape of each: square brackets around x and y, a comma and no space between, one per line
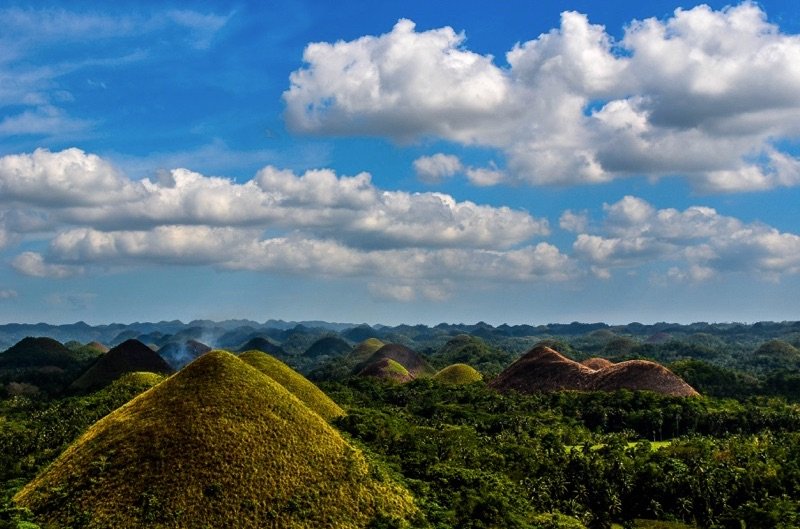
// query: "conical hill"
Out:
[219,444]
[416,365]
[458,374]
[131,355]
[642,375]
[364,350]
[386,369]
[297,384]
[37,352]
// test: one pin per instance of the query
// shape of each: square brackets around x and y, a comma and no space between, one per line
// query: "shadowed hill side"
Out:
[296,383]
[458,374]
[131,355]
[411,360]
[543,369]
[262,344]
[219,444]
[36,352]
[386,369]
[364,350]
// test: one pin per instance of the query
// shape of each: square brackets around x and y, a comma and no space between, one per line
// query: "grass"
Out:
[218,444]
[296,383]
[654,445]
[458,374]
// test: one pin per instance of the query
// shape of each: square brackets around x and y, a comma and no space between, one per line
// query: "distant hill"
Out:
[544,369]
[129,356]
[416,365]
[219,444]
[262,344]
[178,354]
[328,346]
[457,374]
[386,369]
[37,352]
[471,350]
[297,384]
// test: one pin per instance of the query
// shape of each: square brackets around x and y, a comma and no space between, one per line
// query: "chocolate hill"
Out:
[364,350]
[458,374]
[297,384]
[219,444]
[642,375]
[409,359]
[36,352]
[129,356]
[178,354]
[386,369]
[328,346]
[543,369]
[262,344]
[597,363]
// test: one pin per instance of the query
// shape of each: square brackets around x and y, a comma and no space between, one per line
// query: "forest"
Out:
[472,456]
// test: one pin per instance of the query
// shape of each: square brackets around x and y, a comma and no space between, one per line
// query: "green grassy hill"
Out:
[386,369]
[219,444]
[296,383]
[458,374]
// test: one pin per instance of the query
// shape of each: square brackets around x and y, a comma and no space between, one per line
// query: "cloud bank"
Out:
[708,95]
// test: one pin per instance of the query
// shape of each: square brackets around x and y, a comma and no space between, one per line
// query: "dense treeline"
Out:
[476,458]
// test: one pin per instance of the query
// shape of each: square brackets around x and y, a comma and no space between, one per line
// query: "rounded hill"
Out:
[364,350]
[642,375]
[219,444]
[543,369]
[260,343]
[178,354]
[328,346]
[297,384]
[597,363]
[458,374]
[386,369]
[37,352]
[129,356]
[408,358]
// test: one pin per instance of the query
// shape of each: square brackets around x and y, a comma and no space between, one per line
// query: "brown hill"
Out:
[543,369]
[387,369]
[642,375]
[219,444]
[127,357]
[409,359]
[597,363]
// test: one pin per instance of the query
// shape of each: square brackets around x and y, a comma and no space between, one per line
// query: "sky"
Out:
[400,162]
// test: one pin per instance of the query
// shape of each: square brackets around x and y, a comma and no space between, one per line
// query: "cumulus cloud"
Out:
[434,169]
[316,223]
[705,93]
[698,240]
[7,293]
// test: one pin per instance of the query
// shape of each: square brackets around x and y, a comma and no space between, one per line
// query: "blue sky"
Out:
[389,162]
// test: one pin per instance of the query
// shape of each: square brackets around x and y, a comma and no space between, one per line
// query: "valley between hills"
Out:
[315,425]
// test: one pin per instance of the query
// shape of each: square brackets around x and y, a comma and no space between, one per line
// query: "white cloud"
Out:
[434,169]
[7,293]
[574,221]
[316,223]
[34,264]
[706,94]
[485,176]
[699,240]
